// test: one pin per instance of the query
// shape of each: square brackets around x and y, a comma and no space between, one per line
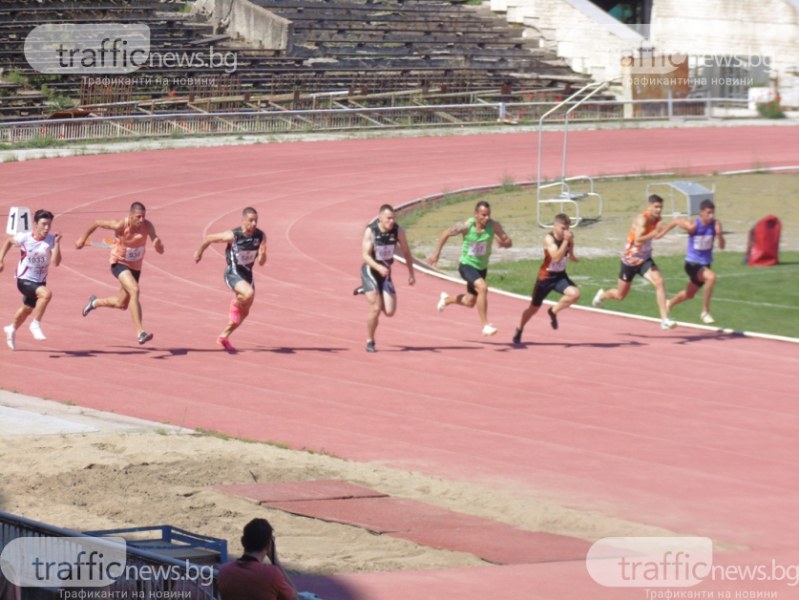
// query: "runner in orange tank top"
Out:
[637,260]
[127,256]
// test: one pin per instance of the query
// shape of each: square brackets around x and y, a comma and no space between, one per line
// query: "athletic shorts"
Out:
[28,290]
[693,269]
[117,269]
[233,276]
[627,272]
[372,281]
[557,282]
[470,274]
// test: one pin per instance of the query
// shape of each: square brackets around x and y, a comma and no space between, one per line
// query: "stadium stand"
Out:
[358,50]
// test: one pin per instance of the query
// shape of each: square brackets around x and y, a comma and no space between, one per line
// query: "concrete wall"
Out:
[242,19]
[589,39]
[765,30]
[594,43]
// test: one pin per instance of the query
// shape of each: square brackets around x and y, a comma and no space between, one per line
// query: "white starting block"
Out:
[20,220]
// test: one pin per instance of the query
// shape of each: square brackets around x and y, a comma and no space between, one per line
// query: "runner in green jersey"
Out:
[478,234]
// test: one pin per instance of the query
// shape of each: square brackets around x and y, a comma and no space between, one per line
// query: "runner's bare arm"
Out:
[406,252]
[503,238]
[157,243]
[213,238]
[4,250]
[115,225]
[456,229]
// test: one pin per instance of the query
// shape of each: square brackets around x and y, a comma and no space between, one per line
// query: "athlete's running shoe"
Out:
[225,343]
[553,318]
[145,337]
[517,337]
[707,318]
[370,346]
[10,332]
[667,324]
[358,290]
[37,332]
[597,301]
[89,305]
[489,330]
[235,315]
[442,301]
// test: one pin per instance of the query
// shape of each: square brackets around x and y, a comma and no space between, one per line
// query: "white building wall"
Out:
[593,42]
[765,30]
[588,38]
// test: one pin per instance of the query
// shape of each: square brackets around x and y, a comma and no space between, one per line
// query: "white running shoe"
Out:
[442,301]
[597,301]
[10,331]
[489,330]
[707,318]
[37,332]
[667,324]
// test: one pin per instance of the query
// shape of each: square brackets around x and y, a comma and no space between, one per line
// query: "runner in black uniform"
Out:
[379,242]
[245,246]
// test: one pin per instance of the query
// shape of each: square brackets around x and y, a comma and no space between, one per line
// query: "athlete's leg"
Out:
[654,277]
[43,297]
[570,295]
[619,292]
[245,296]
[482,300]
[683,295]
[375,300]
[20,316]
[709,277]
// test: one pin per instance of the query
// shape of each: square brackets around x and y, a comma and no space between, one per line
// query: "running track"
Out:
[691,431]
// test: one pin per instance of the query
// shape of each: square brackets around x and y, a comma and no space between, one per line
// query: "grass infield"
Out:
[763,300]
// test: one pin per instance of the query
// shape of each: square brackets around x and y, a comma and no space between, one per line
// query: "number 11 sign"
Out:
[19,220]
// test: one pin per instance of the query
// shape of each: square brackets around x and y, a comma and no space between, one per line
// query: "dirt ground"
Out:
[157,476]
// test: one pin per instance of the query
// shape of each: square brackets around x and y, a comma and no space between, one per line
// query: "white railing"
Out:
[303,121]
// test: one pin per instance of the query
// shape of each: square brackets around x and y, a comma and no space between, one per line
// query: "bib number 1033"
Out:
[19,220]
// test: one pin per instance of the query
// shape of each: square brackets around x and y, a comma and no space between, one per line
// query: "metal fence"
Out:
[344,119]
[165,578]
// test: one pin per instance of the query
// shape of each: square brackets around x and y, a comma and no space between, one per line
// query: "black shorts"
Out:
[557,282]
[693,270]
[233,276]
[117,269]
[470,274]
[627,272]
[372,281]
[28,290]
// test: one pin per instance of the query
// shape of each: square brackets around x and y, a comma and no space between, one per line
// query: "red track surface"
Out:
[685,430]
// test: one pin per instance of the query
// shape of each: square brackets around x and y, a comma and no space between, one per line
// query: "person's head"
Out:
[137,213]
[249,220]
[561,223]
[257,536]
[42,219]
[655,205]
[482,212]
[386,217]
[707,210]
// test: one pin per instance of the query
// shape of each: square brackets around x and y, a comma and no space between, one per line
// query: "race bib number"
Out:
[134,254]
[703,242]
[246,257]
[478,249]
[384,252]
[557,266]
